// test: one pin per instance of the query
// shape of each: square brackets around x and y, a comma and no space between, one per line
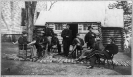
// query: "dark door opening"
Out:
[74,28]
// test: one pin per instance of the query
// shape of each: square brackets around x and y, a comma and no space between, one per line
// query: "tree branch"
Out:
[52,3]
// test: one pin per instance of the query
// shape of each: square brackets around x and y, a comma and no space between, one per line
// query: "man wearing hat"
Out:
[55,42]
[78,43]
[97,47]
[67,37]
[90,38]
[22,41]
[40,43]
[110,49]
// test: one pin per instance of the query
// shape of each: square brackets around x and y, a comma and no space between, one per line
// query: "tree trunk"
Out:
[30,6]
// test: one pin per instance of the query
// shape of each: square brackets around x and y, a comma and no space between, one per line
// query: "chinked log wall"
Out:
[117,33]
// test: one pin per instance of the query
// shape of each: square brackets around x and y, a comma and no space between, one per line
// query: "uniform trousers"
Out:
[66,45]
[93,58]
[39,51]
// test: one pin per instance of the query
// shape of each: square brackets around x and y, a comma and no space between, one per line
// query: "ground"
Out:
[16,67]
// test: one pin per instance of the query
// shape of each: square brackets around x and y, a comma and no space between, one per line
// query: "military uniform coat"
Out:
[66,40]
[66,32]
[22,41]
[90,39]
[48,32]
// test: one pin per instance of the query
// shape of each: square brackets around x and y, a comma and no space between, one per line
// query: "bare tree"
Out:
[30,11]
[52,3]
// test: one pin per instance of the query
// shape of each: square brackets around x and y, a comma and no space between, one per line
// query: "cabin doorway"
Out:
[74,28]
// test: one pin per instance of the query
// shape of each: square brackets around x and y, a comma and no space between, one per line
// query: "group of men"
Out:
[94,45]
[47,39]
[78,42]
[43,41]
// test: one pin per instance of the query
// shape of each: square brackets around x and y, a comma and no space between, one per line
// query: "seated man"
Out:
[41,43]
[22,41]
[77,43]
[97,46]
[55,43]
[110,49]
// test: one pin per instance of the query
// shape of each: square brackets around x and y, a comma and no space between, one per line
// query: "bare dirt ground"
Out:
[12,67]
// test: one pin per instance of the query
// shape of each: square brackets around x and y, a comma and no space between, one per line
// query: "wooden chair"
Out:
[76,53]
[26,49]
[102,56]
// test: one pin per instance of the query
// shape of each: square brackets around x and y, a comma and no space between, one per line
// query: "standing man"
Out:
[67,36]
[49,33]
[90,38]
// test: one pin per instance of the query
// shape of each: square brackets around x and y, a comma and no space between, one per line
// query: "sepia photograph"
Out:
[66,38]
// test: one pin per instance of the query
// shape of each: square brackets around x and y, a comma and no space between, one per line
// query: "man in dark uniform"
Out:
[109,50]
[39,44]
[97,47]
[55,42]
[22,41]
[67,36]
[49,33]
[90,38]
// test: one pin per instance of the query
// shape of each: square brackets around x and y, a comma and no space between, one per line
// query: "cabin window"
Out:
[58,27]
[85,26]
